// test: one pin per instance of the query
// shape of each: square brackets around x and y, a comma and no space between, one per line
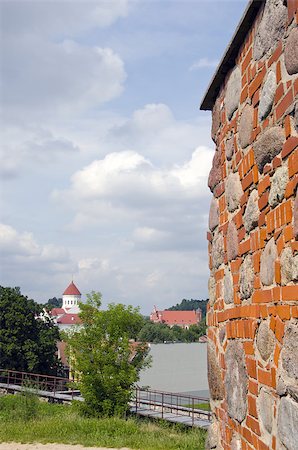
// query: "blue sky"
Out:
[104,152]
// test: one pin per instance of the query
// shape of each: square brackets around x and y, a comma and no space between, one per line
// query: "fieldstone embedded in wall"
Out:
[232,241]
[233,92]
[291,52]
[214,374]
[267,95]
[271,28]
[215,119]
[265,404]
[233,191]
[252,212]
[215,172]
[236,381]
[213,214]
[296,117]
[295,213]
[289,353]
[265,340]
[246,278]
[289,266]
[217,252]
[228,287]
[211,289]
[268,145]
[246,126]
[236,443]
[287,423]
[212,436]
[279,183]
[230,148]
[222,334]
[268,258]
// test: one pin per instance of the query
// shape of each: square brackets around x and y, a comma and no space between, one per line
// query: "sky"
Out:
[104,152]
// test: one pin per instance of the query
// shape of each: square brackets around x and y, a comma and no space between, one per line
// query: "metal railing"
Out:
[44,385]
[169,402]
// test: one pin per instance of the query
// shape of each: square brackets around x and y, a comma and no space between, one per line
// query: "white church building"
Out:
[68,315]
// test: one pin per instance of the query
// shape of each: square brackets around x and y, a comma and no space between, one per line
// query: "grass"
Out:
[62,423]
[204,406]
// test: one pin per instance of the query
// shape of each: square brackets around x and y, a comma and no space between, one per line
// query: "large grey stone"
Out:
[246,278]
[215,382]
[287,421]
[215,119]
[267,95]
[236,381]
[291,52]
[295,214]
[268,258]
[217,252]
[212,438]
[215,172]
[279,183]
[265,340]
[213,214]
[265,405]
[230,148]
[289,266]
[212,290]
[271,28]
[252,212]
[246,126]
[228,287]
[233,92]
[232,241]
[222,334]
[289,353]
[296,116]
[268,145]
[236,443]
[234,191]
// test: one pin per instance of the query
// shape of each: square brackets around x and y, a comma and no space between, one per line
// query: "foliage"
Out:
[160,332]
[53,303]
[27,343]
[62,423]
[190,305]
[102,355]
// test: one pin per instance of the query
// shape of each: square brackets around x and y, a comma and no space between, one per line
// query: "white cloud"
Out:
[62,78]
[64,17]
[24,146]
[24,262]
[203,63]
[128,181]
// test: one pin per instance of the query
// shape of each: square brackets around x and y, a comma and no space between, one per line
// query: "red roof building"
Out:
[72,290]
[181,318]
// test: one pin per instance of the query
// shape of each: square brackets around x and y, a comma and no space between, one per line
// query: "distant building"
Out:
[181,318]
[68,315]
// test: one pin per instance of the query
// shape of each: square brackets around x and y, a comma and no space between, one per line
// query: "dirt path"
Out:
[17,446]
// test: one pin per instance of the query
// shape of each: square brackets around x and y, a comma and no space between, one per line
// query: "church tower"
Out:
[71,298]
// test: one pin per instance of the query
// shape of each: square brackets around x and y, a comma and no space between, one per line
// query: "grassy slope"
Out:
[62,423]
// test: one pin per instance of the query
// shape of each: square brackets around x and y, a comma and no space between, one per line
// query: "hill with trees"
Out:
[190,305]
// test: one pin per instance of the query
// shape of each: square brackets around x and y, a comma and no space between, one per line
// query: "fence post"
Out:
[193,412]
[136,399]
[162,399]
[8,379]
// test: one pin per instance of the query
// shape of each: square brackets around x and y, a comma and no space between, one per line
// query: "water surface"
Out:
[177,368]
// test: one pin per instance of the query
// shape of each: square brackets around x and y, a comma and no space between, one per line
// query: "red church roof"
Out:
[179,317]
[69,319]
[71,290]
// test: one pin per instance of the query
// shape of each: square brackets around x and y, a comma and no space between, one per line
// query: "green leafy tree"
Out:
[53,303]
[104,358]
[27,343]
[190,305]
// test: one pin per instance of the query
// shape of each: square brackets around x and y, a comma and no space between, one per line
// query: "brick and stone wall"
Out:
[253,240]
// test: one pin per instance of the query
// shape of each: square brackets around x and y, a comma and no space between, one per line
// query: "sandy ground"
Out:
[16,446]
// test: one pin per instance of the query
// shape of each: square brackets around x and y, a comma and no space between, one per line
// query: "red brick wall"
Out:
[253,242]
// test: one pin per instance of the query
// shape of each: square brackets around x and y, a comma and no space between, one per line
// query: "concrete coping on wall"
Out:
[228,60]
